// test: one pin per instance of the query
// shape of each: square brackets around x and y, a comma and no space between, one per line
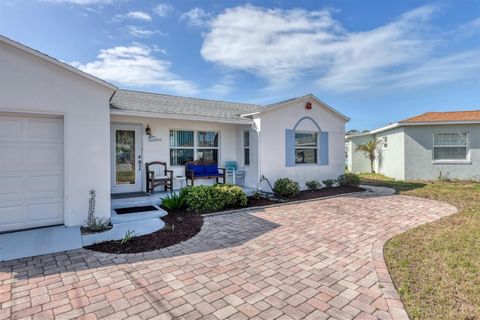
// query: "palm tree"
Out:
[370,150]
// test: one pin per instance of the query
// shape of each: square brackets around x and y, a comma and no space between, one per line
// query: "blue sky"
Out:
[375,61]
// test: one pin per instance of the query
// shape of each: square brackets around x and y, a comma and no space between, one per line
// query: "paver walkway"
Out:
[314,260]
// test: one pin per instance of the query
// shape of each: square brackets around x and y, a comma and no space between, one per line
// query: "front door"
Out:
[126,158]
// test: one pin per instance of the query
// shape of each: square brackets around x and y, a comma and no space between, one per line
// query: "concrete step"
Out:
[136,202]
[135,216]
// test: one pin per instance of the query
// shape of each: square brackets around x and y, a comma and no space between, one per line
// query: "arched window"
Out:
[306,144]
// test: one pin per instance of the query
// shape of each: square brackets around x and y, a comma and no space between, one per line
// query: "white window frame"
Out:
[206,148]
[195,147]
[467,146]
[315,148]
[385,142]
[245,147]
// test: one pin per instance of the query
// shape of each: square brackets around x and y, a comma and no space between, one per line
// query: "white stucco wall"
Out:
[357,161]
[251,170]
[29,84]
[391,160]
[419,158]
[230,140]
[272,146]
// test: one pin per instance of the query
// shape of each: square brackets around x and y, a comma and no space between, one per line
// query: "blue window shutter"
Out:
[289,147]
[323,149]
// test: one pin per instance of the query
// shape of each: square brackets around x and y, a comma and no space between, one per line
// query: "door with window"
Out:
[127,163]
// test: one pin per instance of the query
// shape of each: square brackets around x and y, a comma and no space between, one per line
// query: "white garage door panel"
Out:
[31,172]
[9,215]
[44,157]
[10,128]
[9,157]
[45,211]
[10,186]
[50,183]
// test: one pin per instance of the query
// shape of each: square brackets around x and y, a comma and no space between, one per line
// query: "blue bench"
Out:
[196,170]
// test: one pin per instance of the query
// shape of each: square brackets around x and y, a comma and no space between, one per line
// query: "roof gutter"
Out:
[409,124]
[119,112]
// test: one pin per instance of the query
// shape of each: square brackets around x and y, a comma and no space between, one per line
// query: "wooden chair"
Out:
[158,175]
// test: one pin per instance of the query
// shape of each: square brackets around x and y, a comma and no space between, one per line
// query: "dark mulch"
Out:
[306,195]
[184,230]
[326,192]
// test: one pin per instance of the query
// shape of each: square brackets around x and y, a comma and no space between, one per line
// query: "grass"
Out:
[436,267]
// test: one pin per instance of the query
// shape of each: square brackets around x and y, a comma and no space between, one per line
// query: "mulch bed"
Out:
[184,230]
[326,192]
[306,195]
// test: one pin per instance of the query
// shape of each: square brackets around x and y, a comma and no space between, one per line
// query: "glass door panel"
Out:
[125,162]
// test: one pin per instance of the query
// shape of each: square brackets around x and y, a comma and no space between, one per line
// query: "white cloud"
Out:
[282,46]
[136,15]
[163,9]
[82,2]
[136,66]
[140,32]
[196,17]
[223,87]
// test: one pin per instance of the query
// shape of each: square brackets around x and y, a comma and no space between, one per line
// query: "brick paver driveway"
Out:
[314,260]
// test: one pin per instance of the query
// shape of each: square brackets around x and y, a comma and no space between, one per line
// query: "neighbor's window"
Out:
[385,142]
[207,145]
[305,147]
[450,146]
[246,148]
[181,147]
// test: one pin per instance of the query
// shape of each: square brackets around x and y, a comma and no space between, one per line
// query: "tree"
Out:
[370,150]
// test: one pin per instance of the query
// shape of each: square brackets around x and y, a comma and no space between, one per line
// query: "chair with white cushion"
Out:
[157,174]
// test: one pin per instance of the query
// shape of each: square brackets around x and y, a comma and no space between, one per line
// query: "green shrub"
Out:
[313,185]
[329,183]
[232,195]
[349,179]
[174,201]
[203,199]
[286,187]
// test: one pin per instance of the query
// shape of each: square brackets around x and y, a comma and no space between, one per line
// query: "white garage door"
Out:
[31,172]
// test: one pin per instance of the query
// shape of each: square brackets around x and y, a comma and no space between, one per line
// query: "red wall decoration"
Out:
[308,105]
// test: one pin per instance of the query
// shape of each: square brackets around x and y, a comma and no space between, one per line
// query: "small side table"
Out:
[181,181]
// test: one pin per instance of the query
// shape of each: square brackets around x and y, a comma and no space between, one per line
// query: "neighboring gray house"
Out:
[426,147]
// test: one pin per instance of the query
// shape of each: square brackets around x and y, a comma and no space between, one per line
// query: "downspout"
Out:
[257,129]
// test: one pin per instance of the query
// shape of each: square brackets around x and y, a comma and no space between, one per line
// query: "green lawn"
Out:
[436,267]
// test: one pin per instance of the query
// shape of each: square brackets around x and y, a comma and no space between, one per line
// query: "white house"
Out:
[430,146]
[62,132]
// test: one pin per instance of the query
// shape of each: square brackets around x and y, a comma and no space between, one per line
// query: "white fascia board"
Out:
[249,114]
[305,98]
[410,124]
[389,127]
[177,116]
[431,123]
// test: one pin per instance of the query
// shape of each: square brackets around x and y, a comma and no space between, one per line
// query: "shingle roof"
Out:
[473,115]
[167,104]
